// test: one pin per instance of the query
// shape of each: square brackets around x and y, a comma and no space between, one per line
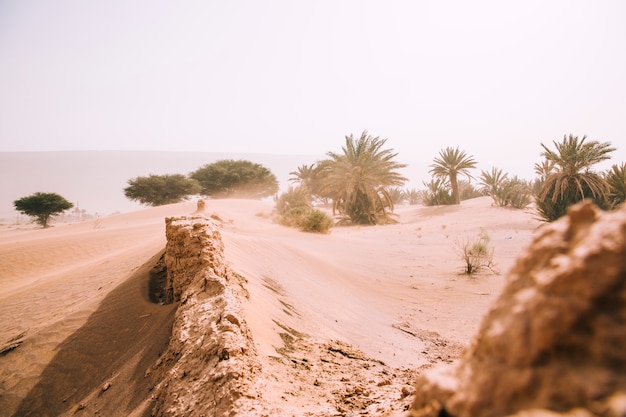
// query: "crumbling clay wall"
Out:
[211,360]
[556,338]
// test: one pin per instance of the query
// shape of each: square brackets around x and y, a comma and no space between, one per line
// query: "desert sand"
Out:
[75,308]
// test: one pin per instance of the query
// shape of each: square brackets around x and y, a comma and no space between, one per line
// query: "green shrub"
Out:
[316,221]
[307,220]
[293,217]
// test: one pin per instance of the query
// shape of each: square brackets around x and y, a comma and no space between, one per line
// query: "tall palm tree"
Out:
[451,163]
[357,179]
[572,179]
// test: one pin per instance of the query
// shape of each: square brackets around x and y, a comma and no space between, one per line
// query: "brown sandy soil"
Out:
[342,322]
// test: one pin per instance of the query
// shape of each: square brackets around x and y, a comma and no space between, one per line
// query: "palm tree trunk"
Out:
[454,184]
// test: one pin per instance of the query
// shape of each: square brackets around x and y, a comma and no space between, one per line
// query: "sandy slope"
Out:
[394,292]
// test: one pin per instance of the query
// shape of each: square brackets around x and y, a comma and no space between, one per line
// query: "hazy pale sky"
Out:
[495,78]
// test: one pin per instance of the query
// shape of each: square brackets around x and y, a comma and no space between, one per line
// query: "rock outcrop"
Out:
[555,341]
[211,360]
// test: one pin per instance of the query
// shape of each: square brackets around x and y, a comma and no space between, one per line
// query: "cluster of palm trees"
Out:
[362,182]
[356,181]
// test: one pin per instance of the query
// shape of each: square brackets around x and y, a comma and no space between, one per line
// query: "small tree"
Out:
[42,206]
[236,178]
[157,190]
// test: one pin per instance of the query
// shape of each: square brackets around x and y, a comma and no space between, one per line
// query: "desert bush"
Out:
[307,220]
[316,221]
[293,217]
[475,253]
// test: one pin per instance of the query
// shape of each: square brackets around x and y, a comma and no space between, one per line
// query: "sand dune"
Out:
[386,290]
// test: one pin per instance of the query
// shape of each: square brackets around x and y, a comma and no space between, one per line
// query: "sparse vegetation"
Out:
[476,253]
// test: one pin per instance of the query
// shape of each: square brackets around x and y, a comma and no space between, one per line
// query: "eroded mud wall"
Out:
[210,361]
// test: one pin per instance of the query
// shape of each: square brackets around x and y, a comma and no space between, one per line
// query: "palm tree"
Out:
[492,181]
[357,179]
[449,165]
[544,169]
[572,179]
[616,179]
[304,176]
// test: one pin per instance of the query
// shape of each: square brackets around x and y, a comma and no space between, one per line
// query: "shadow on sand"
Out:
[101,368]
